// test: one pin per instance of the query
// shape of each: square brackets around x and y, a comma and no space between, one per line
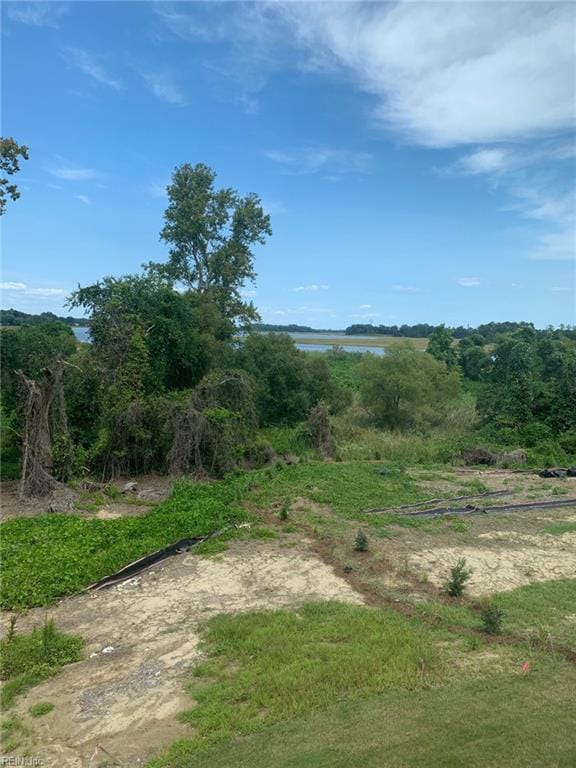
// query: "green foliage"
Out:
[288,382]
[361,542]
[27,659]
[41,709]
[407,389]
[284,509]
[10,154]
[211,234]
[492,619]
[29,349]
[264,668]
[530,391]
[92,549]
[441,346]
[459,575]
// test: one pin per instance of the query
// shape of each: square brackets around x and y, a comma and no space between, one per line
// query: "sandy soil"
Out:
[503,560]
[142,637]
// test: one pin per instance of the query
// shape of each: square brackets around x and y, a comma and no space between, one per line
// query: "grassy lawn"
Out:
[509,721]
[338,685]
[536,610]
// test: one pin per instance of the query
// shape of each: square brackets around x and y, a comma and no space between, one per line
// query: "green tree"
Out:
[407,389]
[211,233]
[10,154]
[441,346]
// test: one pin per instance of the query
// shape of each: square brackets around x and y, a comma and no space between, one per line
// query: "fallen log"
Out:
[471,508]
[383,510]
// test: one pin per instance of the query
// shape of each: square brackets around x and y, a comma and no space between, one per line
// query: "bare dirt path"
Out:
[142,637]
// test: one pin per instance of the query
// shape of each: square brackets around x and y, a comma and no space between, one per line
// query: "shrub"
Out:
[492,619]
[361,542]
[284,510]
[459,575]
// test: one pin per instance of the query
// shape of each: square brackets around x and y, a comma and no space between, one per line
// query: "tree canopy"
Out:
[211,233]
[10,154]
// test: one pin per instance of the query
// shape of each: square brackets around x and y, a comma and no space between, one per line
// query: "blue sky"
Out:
[418,160]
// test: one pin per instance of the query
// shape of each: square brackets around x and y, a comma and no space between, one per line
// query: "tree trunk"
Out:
[37,478]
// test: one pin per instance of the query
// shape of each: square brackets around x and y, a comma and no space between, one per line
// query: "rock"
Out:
[290,458]
[130,487]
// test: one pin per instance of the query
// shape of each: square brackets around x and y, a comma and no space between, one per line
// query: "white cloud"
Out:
[37,14]
[68,173]
[468,282]
[309,160]
[561,289]
[405,289]
[83,199]
[88,64]
[164,88]
[311,288]
[12,286]
[24,290]
[365,306]
[248,293]
[447,75]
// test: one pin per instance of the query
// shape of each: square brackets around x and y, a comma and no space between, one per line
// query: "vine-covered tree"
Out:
[211,233]
[10,154]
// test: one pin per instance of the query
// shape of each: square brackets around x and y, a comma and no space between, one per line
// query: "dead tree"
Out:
[321,431]
[37,466]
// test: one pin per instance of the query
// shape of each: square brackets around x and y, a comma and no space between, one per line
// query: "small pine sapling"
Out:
[459,575]
[361,541]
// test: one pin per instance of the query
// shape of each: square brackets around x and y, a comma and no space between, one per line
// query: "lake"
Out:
[314,345]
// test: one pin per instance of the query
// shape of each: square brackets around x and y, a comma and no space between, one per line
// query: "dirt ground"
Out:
[505,551]
[142,637]
[150,490]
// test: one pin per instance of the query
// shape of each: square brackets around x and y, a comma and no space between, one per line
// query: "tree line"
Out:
[177,380]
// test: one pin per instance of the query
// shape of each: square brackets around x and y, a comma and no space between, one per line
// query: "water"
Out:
[346,347]
[346,342]
[82,334]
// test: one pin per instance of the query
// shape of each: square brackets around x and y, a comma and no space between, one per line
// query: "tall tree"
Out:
[441,346]
[10,152]
[211,233]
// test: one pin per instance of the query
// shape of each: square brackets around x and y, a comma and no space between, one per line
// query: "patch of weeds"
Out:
[289,528]
[459,526]
[41,709]
[557,529]
[33,549]
[559,491]
[12,731]
[27,659]
[261,532]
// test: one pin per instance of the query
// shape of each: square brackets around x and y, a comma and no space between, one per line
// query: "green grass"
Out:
[41,709]
[27,659]
[508,721]
[268,667]
[48,556]
[557,529]
[534,610]
[347,488]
